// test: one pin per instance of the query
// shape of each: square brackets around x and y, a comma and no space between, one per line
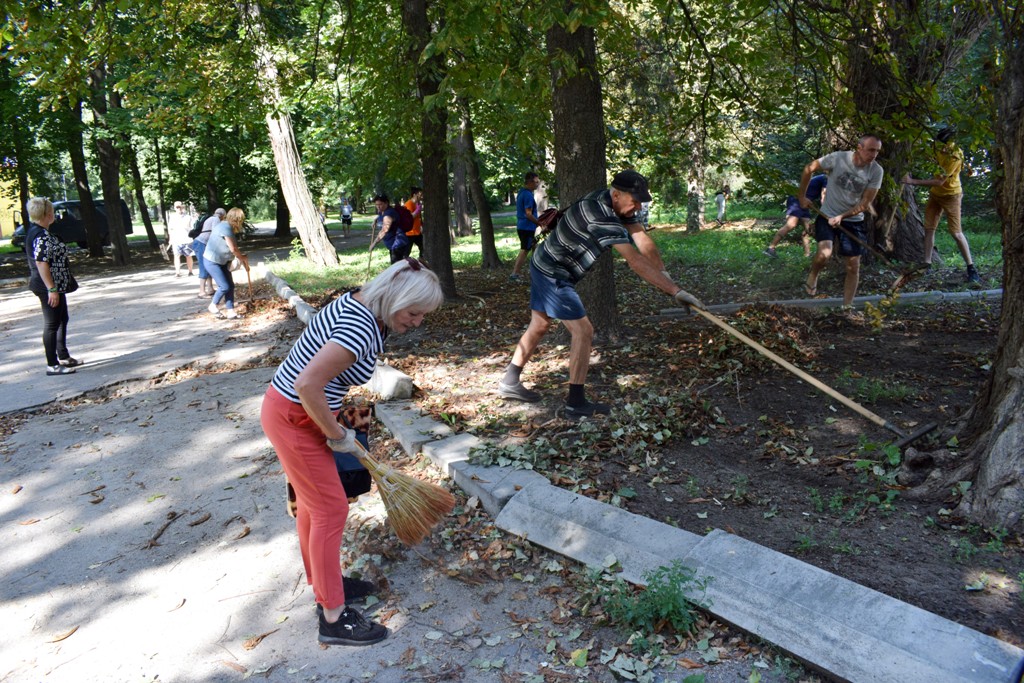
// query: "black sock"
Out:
[512,373]
[576,397]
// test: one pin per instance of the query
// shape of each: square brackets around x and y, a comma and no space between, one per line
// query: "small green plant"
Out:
[997,543]
[297,252]
[964,550]
[692,488]
[672,597]
[805,542]
[836,501]
[817,502]
[1020,593]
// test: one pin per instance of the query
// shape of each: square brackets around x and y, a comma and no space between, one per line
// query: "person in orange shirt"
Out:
[415,206]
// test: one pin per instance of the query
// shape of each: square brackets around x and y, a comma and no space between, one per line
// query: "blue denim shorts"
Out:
[823,232]
[557,298]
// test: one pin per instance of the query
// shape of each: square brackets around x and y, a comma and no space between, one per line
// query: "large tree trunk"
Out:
[104,99]
[434,152]
[695,186]
[154,242]
[318,247]
[282,226]
[995,427]
[76,150]
[488,250]
[578,114]
[460,189]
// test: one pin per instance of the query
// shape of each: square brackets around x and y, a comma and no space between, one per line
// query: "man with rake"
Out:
[602,220]
[853,181]
[337,350]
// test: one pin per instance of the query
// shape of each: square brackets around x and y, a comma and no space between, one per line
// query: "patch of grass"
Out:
[806,542]
[672,598]
[871,390]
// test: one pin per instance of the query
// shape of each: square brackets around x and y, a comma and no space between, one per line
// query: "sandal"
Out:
[69,362]
[811,291]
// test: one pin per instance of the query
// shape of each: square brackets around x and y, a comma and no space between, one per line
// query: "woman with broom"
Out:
[337,350]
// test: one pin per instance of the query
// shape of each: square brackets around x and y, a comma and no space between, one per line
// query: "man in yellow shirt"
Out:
[945,196]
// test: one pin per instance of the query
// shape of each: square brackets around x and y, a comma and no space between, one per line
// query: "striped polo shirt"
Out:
[588,228]
[348,323]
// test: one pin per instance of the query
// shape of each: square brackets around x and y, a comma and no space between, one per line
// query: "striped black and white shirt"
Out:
[348,323]
[588,228]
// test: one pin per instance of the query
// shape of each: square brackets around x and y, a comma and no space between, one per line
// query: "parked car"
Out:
[69,228]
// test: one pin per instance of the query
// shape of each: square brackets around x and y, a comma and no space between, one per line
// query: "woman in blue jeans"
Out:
[221,248]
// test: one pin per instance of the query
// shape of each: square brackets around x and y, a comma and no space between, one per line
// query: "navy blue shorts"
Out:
[527,239]
[823,232]
[557,298]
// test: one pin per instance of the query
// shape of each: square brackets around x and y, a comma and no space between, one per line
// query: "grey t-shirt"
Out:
[217,250]
[208,224]
[846,183]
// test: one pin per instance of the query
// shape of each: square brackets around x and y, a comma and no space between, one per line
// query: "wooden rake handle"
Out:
[849,403]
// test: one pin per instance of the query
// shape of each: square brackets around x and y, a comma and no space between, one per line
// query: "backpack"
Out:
[197,227]
[405,219]
[548,219]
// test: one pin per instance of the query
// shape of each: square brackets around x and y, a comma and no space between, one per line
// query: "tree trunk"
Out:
[282,228]
[696,186]
[488,249]
[318,248]
[154,242]
[162,209]
[76,150]
[434,152]
[104,99]
[578,116]
[460,191]
[995,426]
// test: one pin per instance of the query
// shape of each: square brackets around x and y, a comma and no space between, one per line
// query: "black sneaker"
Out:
[517,392]
[351,628]
[972,275]
[588,409]
[770,252]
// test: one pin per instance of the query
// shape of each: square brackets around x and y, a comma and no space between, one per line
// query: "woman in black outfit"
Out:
[50,279]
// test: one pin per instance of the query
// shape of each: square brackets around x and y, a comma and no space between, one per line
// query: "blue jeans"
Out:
[225,283]
[199,248]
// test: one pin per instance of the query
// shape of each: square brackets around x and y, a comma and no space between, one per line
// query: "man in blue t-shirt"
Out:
[796,214]
[602,220]
[390,229]
[526,221]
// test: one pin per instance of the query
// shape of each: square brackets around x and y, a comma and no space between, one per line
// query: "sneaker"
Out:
[212,308]
[588,409]
[70,362]
[59,370]
[356,590]
[515,277]
[770,252]
[351,628]
[972,275]
[231,313]
[517,392]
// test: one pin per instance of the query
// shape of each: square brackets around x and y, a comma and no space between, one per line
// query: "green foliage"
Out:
[671,598]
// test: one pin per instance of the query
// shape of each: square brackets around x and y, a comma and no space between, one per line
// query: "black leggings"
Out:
[55,329]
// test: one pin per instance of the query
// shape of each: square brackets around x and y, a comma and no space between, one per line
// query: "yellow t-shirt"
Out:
[951,161]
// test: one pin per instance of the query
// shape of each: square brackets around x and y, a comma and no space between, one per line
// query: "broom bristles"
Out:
[414,507]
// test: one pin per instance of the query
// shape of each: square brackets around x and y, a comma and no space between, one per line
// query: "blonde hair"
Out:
[38,208]
[406,284]
[235,218]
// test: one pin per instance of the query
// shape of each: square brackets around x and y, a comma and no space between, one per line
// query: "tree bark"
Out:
[318,247]
[995,426]
[104,99]
[140,200]
[434,140]
[76,150]
[460,190]
[578,115]
[696,186]
[488,249]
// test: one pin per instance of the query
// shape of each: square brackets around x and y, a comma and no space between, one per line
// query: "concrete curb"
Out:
[852,632]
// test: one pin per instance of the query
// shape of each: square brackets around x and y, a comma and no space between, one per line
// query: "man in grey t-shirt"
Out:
[853,181]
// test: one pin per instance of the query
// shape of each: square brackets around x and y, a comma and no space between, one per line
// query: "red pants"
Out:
[322,504]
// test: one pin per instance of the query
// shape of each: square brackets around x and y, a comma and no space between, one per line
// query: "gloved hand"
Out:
[684,297]
[346,444]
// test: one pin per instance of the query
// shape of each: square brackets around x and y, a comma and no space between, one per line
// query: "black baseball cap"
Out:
[632,182]
[945,134]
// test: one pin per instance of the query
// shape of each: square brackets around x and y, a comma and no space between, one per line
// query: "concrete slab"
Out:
[852,632]
[594,533]
[412,430]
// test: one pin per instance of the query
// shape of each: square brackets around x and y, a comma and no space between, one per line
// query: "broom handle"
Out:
[852,405]
[875,251]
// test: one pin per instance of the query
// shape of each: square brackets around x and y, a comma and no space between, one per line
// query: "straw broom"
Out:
[413,507]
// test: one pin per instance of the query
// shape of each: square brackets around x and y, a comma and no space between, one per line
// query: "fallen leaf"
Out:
[251,643]
[690,664]
[64,636]
[197,522]
[233,665]
[242,534]
[26,522]
[17,487]
[98,499]
[178,606]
